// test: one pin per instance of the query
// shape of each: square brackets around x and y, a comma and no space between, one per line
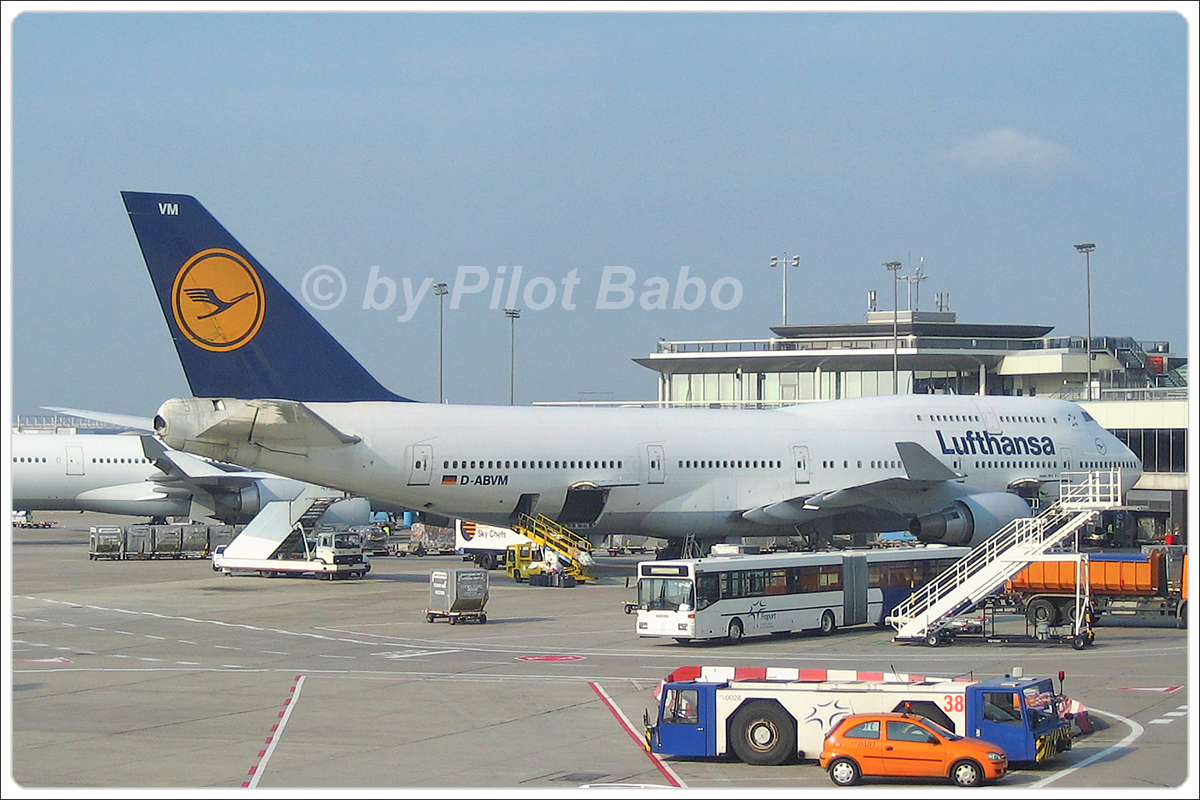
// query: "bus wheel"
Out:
[828,623]
[763,734]
[735,631]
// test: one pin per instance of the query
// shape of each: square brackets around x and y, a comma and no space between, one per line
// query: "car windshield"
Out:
[939,730]
[665,594]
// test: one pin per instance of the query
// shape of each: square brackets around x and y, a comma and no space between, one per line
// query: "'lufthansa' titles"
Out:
[981,443]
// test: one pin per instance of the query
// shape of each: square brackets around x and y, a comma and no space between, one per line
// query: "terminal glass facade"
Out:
[785,387]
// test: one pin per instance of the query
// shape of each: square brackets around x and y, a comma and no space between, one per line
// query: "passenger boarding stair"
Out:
[979,574]
[275,523]
[574,550]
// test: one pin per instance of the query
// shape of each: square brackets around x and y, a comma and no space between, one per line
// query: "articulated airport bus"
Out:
[730,597]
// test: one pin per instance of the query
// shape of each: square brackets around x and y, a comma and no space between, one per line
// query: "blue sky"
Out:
[415,144]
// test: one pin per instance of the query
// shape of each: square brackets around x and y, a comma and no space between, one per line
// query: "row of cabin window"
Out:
[497,464]
[893,464]
[42,460]
[30,460]
[972,418]
[727,464]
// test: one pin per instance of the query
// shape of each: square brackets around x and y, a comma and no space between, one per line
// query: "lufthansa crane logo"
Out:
[217,300]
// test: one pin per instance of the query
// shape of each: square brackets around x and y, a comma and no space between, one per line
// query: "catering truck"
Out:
[1152,583]
[486,545]
[768,715]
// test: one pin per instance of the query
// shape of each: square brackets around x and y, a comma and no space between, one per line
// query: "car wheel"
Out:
[966,773]
[844,772]
[735,631]
[763,734]
[828,623]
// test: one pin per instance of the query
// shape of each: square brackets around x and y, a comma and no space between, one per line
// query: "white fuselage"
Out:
[110,473]
[89,472]
[665,472]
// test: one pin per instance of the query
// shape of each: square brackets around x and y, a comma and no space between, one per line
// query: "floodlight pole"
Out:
[783,264]
[440,290]
[1087,249]
[513,315]
[894,268]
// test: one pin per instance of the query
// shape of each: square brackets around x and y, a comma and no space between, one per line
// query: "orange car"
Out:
[907,745]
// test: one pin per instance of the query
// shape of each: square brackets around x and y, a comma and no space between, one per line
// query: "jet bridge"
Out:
[983,571]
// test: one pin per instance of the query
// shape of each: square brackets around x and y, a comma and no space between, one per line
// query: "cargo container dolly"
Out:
[457,595]
[767,715]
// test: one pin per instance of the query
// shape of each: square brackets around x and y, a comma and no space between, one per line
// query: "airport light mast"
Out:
[783,264]
[1087,249]
[440,290]
[513,315]
[894,268]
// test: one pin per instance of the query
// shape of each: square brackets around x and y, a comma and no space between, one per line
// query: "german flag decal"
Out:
[449,480]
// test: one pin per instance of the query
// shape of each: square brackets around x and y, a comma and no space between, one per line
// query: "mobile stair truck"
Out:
[283,539]
[573,552]
[768,715]
[930,614]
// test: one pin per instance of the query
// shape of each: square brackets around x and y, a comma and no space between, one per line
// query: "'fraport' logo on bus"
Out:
[218,300]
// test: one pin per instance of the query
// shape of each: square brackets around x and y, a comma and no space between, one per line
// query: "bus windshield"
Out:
[665,594]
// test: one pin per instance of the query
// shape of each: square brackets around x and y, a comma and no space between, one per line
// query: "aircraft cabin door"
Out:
[74,460]
[803,470]
[657,463]
[422,464]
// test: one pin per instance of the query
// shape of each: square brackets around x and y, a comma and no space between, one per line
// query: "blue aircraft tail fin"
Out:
[238,332]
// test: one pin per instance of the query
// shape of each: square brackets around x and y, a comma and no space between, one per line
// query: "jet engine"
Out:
[969,520]
[239,506]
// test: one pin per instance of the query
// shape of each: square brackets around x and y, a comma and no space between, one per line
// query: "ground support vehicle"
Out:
[728,597]
[907,745]
[24,519]
[458,595]
[433,539]
[618,544]
[767,715]
[333,554]
[484,544]
[530,562]
[106,541]
[1120,584]
[375,540]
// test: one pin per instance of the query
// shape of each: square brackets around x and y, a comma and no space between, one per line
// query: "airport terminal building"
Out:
[1138,389]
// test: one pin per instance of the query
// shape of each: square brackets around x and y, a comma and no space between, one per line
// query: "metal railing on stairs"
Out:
[574,549]
[1082,496]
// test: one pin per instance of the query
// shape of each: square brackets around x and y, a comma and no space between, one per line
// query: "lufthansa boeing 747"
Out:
[272,390]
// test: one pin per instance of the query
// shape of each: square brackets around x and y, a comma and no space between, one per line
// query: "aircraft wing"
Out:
[923,472]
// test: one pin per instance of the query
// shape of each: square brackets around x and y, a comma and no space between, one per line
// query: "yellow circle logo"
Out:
[217,300]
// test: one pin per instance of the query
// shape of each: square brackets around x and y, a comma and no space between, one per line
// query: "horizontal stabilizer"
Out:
[921,465]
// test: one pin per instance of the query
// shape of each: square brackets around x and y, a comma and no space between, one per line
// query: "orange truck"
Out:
[1152,583]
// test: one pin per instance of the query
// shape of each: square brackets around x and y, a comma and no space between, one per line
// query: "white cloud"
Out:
[1005,148]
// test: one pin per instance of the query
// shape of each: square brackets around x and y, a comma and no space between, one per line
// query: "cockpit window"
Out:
[1087,417]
